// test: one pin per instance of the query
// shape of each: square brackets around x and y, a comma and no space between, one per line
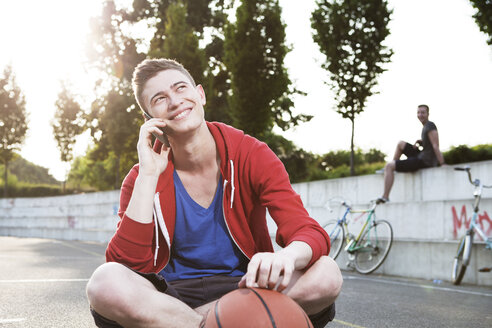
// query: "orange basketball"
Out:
[256,308]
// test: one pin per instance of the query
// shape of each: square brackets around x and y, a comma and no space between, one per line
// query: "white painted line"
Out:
[391,282]
[12,320]
[41,280]
[348,324]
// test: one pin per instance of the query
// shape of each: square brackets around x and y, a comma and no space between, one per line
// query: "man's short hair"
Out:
[149,68]
[425,106]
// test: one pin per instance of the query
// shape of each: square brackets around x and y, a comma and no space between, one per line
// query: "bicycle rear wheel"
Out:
[337,237]
[462,258]
[373,247]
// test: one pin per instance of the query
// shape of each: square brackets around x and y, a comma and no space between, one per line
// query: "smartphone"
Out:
[162,138]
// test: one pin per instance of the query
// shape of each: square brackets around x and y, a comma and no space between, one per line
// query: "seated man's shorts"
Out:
[412,163]
[200,291]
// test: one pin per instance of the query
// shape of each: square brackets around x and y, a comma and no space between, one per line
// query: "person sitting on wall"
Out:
[423,153]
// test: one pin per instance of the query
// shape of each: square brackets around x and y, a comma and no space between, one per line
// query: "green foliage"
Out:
[344,170]
[206,19]
[483,17]
[254,55]
[115,128]
[111,51]
[68,123]
[298,163]
[13,114]
[464,154]
[94,171]
[334,159]
[30,173]
[29,180]
[115,117]
[34,190]
[305,166]
[12,179]
[181,43]
[350,34]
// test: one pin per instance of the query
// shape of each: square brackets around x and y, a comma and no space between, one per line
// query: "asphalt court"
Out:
[42,285]
[42,282]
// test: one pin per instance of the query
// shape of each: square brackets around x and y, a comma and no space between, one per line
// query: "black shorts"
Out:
[200,291]
[412,163]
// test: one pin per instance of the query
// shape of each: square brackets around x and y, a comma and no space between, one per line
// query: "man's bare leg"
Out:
[119,294]
[400,147]
[316,288]
[389,178]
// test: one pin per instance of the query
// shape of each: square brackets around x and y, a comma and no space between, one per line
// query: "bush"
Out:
[465,154]
[21,189]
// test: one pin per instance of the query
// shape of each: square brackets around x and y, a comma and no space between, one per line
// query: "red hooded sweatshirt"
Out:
[254,180]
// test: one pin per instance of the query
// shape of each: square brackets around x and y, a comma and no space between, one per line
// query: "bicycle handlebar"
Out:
[349,207]
[475,182]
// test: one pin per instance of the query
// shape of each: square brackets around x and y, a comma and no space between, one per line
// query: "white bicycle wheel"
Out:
[337,237]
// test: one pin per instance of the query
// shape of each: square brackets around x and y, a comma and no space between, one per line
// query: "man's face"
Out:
[422,114]
[171,96]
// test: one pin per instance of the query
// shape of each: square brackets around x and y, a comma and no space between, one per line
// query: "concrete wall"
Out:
[429,211]
[91,217]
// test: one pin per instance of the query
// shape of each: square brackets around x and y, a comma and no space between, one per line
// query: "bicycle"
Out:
[462,258]
[370,248]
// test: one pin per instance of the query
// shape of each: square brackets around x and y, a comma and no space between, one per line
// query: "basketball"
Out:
[256,308]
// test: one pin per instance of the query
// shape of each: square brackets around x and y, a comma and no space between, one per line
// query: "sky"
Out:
[440,59]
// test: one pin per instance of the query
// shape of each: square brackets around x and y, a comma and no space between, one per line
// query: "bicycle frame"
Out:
[475,227]
[352,244]
[477,193]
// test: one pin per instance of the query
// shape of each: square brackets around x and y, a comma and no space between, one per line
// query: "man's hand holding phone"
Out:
[161,137]
[150,162]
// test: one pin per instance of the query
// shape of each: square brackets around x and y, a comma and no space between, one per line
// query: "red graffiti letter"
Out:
[457,223]
[485,218]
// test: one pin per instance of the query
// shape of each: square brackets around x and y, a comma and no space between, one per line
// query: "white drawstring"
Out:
[232,181]
[156,238]
[160,220]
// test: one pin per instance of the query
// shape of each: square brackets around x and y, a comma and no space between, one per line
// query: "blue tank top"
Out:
[202,245]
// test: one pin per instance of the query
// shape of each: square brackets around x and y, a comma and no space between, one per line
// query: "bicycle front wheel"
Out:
[462,258]
[373,247]
[337,236]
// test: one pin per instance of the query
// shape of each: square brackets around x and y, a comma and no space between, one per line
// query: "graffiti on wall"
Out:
[462,222]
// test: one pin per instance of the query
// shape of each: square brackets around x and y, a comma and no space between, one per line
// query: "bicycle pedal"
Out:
[485,269]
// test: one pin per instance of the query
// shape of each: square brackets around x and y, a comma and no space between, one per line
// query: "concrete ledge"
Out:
[430,260]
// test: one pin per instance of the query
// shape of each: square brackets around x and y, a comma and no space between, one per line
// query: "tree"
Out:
[350,34]
[115,117]
[117,129]
[299,164]
[207,19]
[67,124]
[181,43]
[254,55]
[111,51]
[13,119]
[483,17]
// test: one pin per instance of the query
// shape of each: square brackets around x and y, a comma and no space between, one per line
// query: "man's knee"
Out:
[390,166]
[105,289]
[402,144]
[332,285]
[325,282]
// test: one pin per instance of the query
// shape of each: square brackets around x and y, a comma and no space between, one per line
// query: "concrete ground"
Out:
[42,284]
